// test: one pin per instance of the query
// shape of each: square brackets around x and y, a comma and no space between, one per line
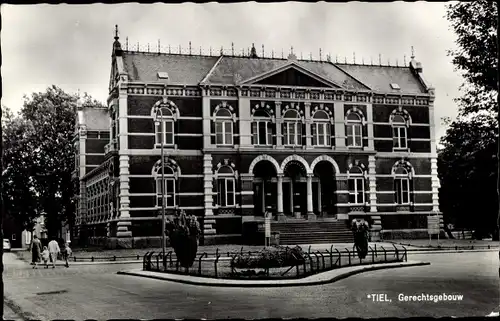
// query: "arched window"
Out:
[356,182]
[164,127]
[262,128]
[320,129]
[223,127]
[292,128]
[225,187]
[354,130]
[399,132]
[402,186]
[169,187]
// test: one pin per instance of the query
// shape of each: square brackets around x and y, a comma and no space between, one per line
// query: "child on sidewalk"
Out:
[46,257]
[66,253]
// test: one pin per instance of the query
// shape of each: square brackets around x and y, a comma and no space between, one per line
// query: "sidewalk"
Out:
[316,279]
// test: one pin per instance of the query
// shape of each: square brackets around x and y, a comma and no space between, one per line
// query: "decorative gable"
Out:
[292,75]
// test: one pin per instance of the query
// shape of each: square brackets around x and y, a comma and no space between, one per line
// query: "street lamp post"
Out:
[162,130]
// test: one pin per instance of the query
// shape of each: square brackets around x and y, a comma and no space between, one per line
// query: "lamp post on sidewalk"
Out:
[159,121]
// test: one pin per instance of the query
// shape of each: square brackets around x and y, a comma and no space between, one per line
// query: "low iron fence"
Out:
[224,265]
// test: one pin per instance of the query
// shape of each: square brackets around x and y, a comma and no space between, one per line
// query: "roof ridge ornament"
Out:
[253,52]
[412,53]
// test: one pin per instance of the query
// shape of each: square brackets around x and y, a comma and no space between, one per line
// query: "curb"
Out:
[93,263]
[275,283]
[432,251]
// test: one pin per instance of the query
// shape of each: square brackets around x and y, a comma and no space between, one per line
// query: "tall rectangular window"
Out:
[402,189]
[225,192]
[399,137]
[169,192]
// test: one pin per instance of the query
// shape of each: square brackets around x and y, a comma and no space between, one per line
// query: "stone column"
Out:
[291,198]
[369,120]
[247,196]
[281,216]
[307,116]
[435,185]
[245,122]
[279,139]
[124,232]
[207,132]
[339,125]
[209,221]
[310,214]
[377,220]
[319,198]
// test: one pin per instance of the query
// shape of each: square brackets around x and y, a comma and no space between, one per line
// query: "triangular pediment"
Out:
[291,75]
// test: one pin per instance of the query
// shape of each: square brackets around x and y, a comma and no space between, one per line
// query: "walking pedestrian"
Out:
[46,257]
[54,251]
[36,250]
[66,253]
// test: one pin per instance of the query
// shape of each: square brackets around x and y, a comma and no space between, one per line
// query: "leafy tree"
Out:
[19,194]
[52,115]
[468,163]
[475,24]
[468,173]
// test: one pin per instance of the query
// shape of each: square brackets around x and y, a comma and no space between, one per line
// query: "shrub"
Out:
[275,256]
[184,233]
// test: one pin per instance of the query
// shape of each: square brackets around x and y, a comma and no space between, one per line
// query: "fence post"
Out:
[215,263]
[385,253]
[373,254]
[397,252]
[349,255]
[340,257]
[199,261]
[322,259]
[92,259]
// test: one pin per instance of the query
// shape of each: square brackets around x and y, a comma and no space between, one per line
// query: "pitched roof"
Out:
[181,69]
[380,78]
[195,69]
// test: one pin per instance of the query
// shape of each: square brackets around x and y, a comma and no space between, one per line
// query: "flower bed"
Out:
[273,257]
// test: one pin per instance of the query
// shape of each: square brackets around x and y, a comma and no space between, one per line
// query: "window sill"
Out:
[400,149]
[355,147]
[164,146]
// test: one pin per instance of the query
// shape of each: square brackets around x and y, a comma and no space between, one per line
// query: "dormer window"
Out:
[395,86]
[162,75]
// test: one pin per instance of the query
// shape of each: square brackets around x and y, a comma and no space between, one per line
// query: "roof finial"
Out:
[291,50]
[345,59]
[137,46]
[336,59]
[272,53]
[158,45]
[301,56]
[388,61]
[328,58]
[242,52]
[354,57]
[363,61]
[116,32]
[180,49]
[320,55]
[253,52]
[169,51]
[282,54]
[126,44]
[397,62]
[221,50]
[263,51]
[412,53]
[190,48]
[210,50]
[311,56]
[232,48]
[371,60]
[380,59]
[200,51]
[148,47]
[404,59]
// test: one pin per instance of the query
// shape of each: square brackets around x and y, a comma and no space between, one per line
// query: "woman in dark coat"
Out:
[36,251]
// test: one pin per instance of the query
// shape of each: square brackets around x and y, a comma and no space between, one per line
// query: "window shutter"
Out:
[269,133]
[254,133]
[314,134]
[158,133]
[300,138]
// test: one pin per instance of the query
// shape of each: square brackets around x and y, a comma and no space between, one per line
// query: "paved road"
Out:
[97,292]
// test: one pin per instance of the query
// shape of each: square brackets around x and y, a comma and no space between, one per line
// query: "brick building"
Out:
[309,141]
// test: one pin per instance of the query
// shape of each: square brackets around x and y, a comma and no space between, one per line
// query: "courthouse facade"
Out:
[242,135]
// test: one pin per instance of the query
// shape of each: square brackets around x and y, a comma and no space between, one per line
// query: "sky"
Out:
[70,45]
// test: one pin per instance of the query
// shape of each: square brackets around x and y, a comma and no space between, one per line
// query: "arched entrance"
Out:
[324,186]
[324,169]
[295,189]
[264,187]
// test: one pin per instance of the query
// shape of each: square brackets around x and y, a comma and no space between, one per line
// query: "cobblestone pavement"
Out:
[97,292]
